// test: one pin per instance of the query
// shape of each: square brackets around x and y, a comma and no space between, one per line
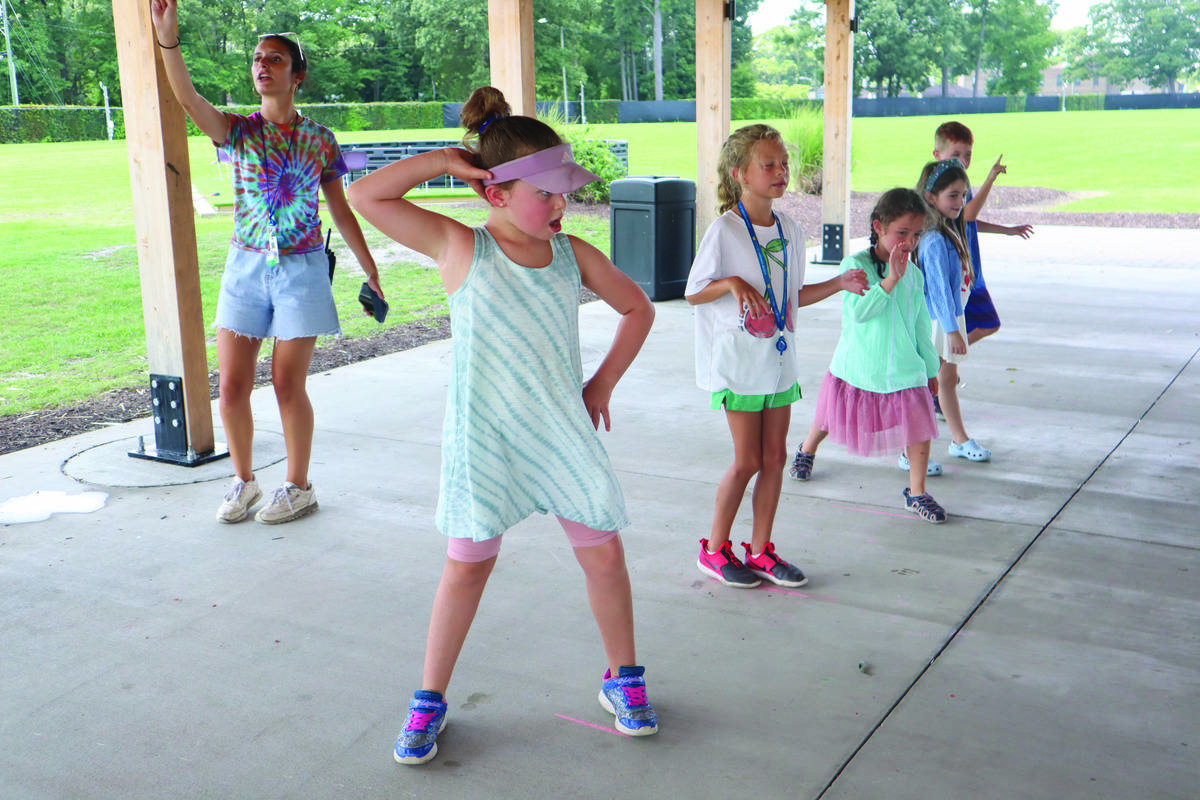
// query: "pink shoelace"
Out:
[419,720]
[635,695]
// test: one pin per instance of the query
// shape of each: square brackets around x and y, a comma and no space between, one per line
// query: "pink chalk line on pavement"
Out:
[872,511]
[592,725]
[798,594]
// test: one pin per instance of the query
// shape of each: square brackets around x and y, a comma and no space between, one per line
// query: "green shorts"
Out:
[732,401]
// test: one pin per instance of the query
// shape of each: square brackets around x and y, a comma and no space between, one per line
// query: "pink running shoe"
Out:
[725,567]
[773,568]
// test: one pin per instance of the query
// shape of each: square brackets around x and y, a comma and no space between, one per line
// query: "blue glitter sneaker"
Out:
[426,719]
[625,698]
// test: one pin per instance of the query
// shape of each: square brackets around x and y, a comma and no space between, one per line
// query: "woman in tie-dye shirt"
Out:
[276,281]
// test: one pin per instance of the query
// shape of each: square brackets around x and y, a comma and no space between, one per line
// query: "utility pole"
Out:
[12,65]
[562,51]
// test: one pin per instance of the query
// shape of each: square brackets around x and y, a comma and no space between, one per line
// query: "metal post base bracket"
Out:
[170,427]
[189,459]
[832,245]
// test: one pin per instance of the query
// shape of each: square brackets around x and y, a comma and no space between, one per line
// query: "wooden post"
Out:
[835,181]
[156,138]
[713,52]
[510,41]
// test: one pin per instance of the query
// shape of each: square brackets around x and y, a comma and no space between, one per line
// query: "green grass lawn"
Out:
[70,297]
[1137,161]
[1140,161]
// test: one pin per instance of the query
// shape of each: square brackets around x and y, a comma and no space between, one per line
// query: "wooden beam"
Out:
[714,40]
[510,40]
[156,138]
[835,182]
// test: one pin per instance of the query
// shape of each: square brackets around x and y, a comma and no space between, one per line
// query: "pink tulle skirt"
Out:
[872,424]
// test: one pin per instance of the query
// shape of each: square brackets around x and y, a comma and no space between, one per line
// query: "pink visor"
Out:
[552,169]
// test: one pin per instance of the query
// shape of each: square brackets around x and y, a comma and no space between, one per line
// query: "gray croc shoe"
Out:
[970,450]
[933,470]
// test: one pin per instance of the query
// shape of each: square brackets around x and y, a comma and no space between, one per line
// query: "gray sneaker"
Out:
[240,498]
[802,465]
[289,502]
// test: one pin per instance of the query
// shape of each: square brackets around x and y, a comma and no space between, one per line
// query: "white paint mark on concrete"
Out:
[40,505]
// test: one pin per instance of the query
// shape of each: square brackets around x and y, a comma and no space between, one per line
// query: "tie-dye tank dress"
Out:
[517,437]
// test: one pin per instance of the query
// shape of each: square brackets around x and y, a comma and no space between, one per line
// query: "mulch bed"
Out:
[1007,205]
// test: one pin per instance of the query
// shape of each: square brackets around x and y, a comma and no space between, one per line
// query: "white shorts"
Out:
[943,347]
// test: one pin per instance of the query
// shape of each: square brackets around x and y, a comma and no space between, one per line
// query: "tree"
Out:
[742,65]
[378,50]
[1147,39]
[627,29]
[1018,45]
[894,46]
[453,42]
[1082,53]
[949,47]
[791,53]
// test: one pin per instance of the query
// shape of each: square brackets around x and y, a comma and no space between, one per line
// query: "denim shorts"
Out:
[293,300]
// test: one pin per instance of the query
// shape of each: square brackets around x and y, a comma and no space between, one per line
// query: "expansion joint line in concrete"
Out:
[996,583]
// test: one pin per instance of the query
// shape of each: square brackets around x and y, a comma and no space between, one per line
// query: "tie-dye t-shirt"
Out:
[281,166]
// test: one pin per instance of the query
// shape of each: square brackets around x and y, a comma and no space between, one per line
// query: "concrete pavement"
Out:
[1045,642]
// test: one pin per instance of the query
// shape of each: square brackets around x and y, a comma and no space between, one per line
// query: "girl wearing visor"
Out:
[276,279]
[520,433]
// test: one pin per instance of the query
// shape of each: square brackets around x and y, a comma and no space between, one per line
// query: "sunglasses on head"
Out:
[295,37]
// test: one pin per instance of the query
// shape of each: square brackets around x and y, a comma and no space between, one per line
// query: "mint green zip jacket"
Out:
[887,343]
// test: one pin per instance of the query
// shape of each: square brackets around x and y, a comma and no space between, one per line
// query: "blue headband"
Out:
[939,169]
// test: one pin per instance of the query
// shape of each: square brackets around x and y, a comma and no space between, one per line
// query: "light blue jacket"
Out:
[943,278]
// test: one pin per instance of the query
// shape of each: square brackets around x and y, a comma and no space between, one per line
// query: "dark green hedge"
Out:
[57,124]
[359,116]
[74,124]
[764,108]
[1084,102]
[602,111]
[375,116]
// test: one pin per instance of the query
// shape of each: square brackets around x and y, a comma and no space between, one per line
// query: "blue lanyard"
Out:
[780,315]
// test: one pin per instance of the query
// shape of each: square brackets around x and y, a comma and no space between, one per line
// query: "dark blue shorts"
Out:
[979,310]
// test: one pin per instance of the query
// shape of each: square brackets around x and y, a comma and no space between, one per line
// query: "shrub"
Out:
[782,91]
[78,124]
[1014,102]
[804,135]
[591,154]
[374,116]
[602,112]
[595,155]
[1084,102]
[767,107]
[57,124]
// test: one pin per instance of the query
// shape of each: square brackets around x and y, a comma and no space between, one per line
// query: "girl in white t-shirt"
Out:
[746,282]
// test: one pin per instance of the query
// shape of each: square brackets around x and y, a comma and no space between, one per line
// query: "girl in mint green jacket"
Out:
[877,397]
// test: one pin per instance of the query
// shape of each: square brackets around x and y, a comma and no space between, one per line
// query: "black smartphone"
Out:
[330,254]
[372,302]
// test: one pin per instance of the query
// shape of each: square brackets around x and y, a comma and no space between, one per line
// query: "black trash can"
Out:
[653,233]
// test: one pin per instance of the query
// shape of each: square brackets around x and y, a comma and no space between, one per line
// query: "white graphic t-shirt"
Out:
[734,350]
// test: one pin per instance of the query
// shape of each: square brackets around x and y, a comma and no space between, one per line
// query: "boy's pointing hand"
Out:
[998,168]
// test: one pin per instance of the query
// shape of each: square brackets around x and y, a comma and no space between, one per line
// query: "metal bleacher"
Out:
[370,156]
[380,154]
